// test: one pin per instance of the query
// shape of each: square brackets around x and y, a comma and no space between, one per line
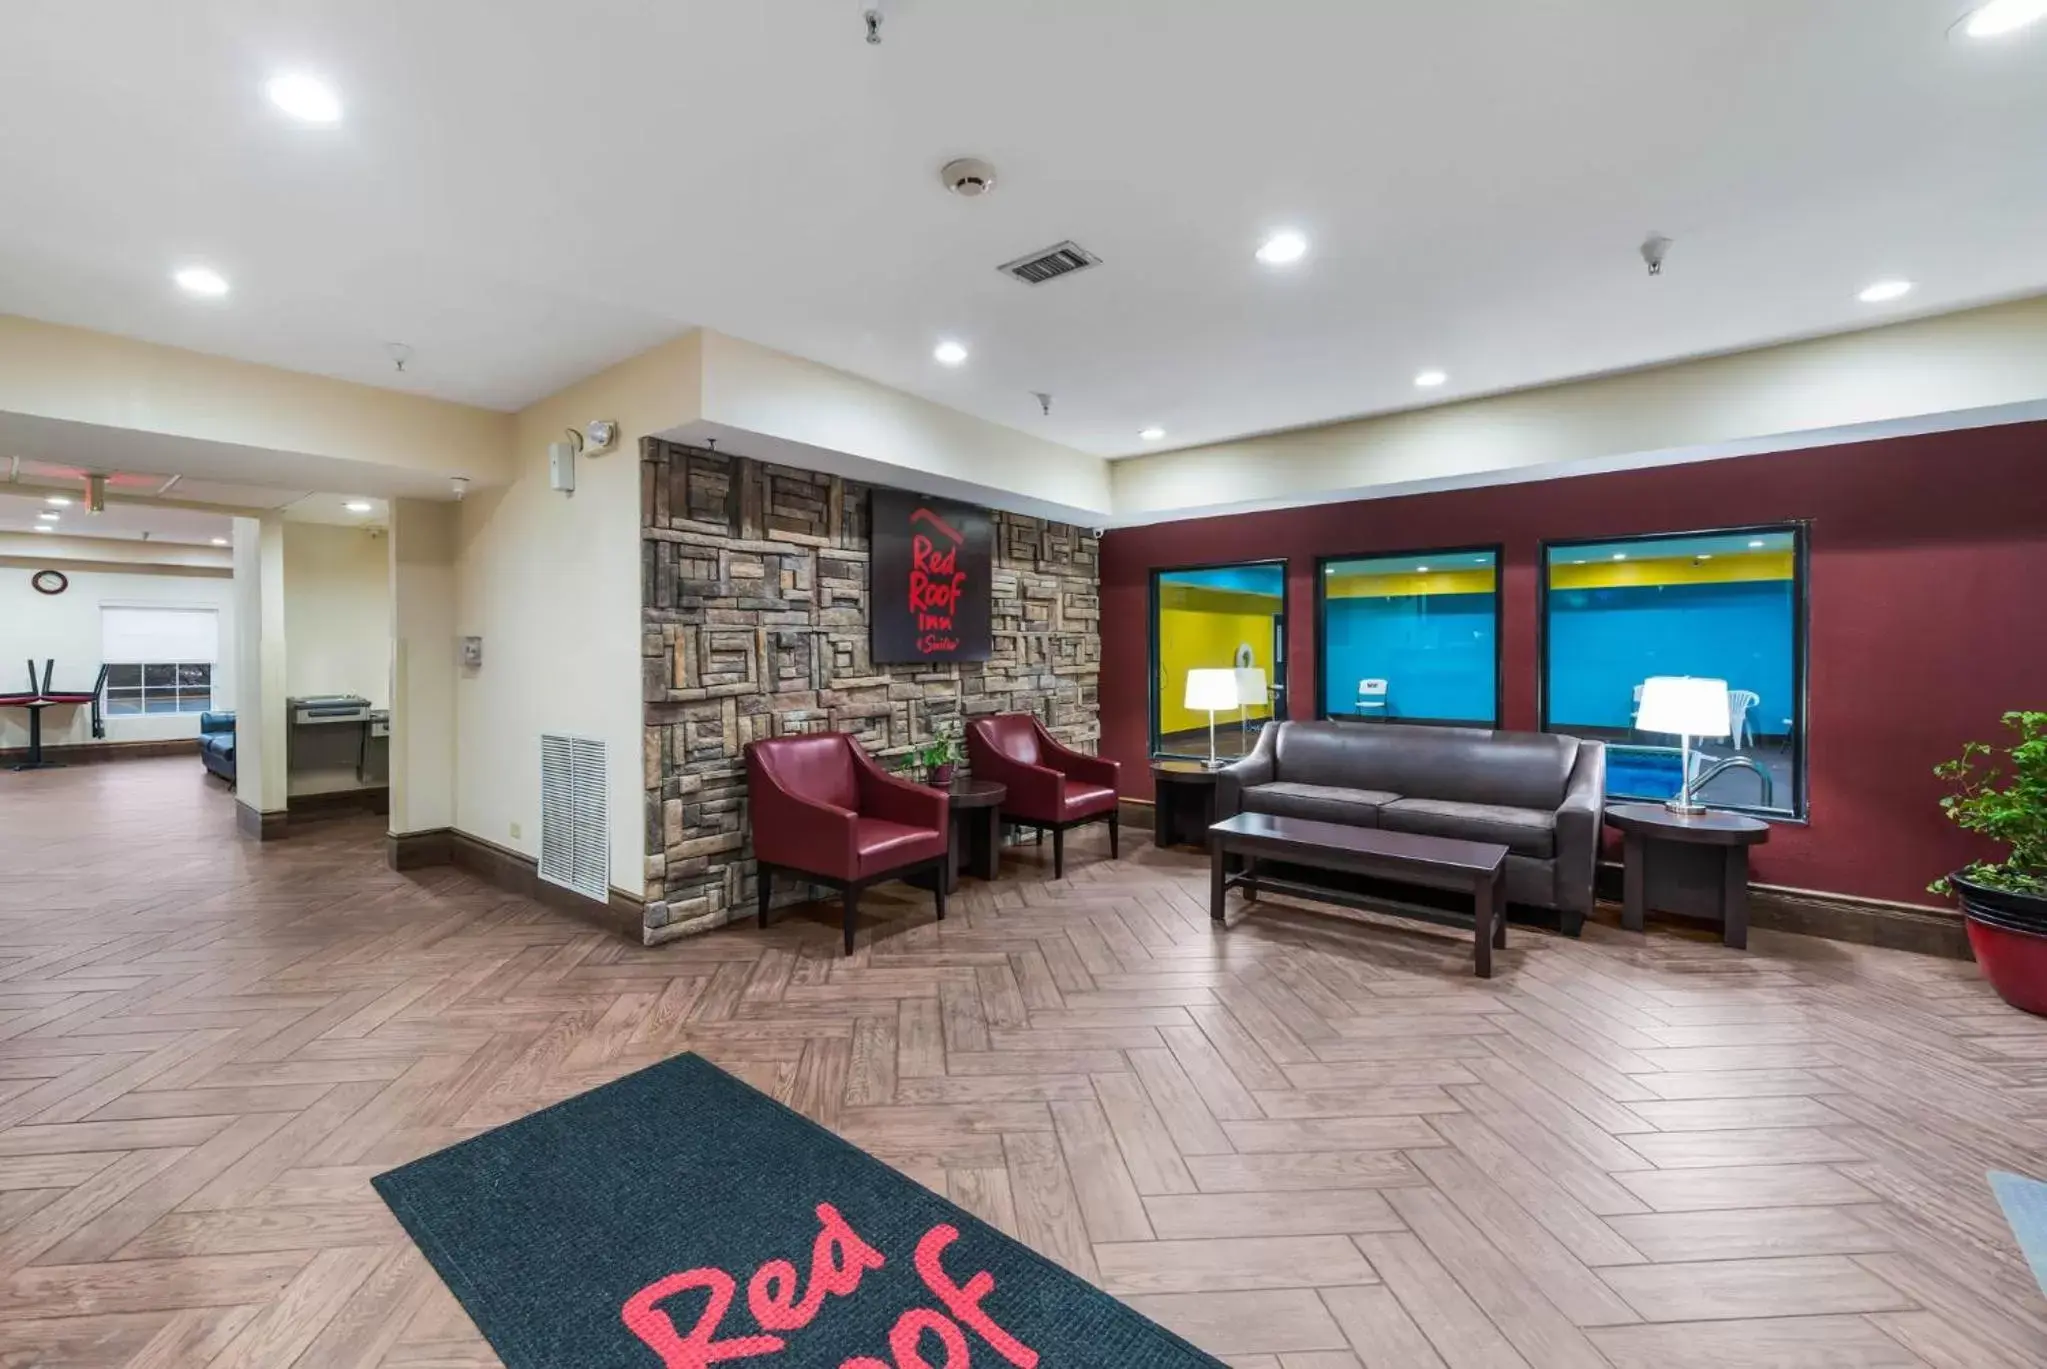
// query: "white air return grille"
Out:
[575,822]
[1050,264]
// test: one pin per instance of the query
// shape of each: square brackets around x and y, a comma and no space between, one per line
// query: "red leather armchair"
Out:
[821,808]
[1051,787]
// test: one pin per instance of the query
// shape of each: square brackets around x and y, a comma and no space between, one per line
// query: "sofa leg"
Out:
[765,877]
[852,914]
[1570,923]
[1059,853]
[939,873]
[1114,854]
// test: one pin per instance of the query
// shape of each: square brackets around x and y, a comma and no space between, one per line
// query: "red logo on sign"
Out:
[838,1258]
[936,583]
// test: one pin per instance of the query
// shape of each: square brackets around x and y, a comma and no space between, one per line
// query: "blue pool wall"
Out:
[1604,642]
[1437,653]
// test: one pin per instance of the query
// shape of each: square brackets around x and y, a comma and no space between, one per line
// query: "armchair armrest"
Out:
[1078,765]
[895,799]
[1260,767]
[798,833]
[1578,822]
[1030,786]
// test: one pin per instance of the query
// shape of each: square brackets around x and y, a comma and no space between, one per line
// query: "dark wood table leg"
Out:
[1250,881]
[1500,912]
[1734,898]
[1215,881]
[1482,927]
[984,841]
[1633,881]
[1162,816]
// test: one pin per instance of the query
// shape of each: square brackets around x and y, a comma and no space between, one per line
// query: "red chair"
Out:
[823,810]
[1051,787]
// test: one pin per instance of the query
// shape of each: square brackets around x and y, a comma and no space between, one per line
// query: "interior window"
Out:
[1724,605]
[1217,618]
[1412,638]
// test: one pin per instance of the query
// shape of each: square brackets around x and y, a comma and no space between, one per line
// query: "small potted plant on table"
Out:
[2002,793]
[940,756]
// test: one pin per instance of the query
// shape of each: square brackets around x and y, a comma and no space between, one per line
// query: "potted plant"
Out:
[939,755]
[2002,793]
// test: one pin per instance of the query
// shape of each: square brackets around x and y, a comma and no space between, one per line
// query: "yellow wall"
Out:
[1672,570]
[1411,582]
[1201,638]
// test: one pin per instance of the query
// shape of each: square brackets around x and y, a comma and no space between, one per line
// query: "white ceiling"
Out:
[126,522]
[524,191]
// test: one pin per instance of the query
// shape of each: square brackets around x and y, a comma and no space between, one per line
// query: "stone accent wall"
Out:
[754,596]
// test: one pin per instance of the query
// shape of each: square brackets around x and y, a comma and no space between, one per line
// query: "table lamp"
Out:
[1211,692]
[1690,708]
[1251,693]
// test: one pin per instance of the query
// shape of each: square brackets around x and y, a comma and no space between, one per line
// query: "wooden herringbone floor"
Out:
[1308,1143]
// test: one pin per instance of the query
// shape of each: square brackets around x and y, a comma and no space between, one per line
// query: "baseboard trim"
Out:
[1863,921]
[96,753]
[339,801]
[261,826]
[417,850]
[1840,917]
[518,873]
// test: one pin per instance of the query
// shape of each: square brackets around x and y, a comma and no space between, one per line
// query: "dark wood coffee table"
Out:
[1474,867]
[976,828]
[1183,799]
[1694,865]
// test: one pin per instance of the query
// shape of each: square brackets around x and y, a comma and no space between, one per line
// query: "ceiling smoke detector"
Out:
[968,177]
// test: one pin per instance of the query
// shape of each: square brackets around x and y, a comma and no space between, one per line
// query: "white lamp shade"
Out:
[1251,688]
[1211,691]
[1685,706]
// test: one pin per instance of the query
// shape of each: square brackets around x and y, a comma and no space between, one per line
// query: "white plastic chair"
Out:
[1372,697]
[1739,702]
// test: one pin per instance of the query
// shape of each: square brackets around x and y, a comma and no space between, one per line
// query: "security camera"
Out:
[1096,532]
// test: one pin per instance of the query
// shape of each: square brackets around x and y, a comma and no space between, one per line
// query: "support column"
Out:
[260,785]
[423,668]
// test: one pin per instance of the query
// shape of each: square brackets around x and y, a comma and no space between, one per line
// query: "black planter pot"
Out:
[2002,906]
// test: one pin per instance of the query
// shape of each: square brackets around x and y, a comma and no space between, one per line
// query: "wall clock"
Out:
[50,582]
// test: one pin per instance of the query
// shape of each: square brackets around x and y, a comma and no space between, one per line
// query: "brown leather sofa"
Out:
[1535,793]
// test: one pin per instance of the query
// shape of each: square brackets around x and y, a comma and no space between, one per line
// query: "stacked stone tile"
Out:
[754,599]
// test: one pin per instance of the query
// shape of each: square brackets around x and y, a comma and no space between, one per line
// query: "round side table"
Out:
[1695,866]
[976,828]
[1183,794]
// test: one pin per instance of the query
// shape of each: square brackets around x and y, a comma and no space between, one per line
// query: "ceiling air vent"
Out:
[575,823]
[1050,264]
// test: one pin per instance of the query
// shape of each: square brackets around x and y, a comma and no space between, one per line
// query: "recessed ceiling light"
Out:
[1757,542]
[1620,556]
[220,541]
[61,501]
[42,527]
[305,97]
[1421,570]
[49,517]
[1705,556]
[1430,379]
[1152,434]
[949,353]
[1283,249]
[201,280]
[1884,290]
[358,506]
[1998,17]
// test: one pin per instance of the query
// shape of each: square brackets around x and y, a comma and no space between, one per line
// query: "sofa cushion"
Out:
[1464,764]
[1320,802]
[1524,831]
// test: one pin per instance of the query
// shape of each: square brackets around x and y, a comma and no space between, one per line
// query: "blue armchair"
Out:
[217,744]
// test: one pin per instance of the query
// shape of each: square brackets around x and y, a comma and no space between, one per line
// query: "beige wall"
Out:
[259,664]
[337,612]
[551,582]
[1984,360]
[74,375]
[423,665]
[66,627]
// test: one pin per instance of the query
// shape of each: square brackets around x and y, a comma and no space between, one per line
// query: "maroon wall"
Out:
[1928,614]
